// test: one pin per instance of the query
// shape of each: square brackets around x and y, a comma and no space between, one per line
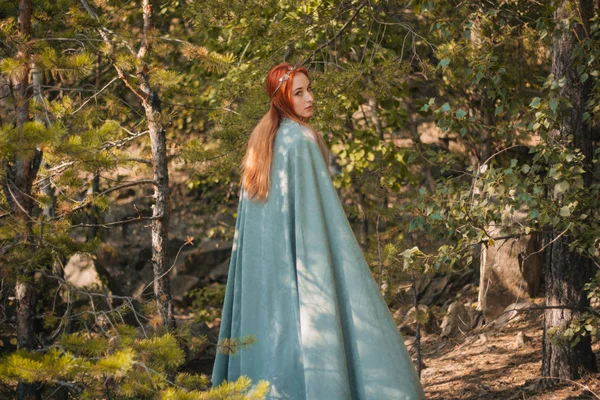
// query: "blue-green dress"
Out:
[298,282]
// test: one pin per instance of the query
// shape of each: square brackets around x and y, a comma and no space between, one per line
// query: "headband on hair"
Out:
[284,78]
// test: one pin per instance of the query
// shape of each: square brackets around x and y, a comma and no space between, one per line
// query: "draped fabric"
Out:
[298,282]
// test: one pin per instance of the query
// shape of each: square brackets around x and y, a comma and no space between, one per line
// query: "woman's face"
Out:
[302,98]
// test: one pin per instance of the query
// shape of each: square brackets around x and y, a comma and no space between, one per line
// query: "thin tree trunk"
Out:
[566,272]
[20,174]
[94,214]
[160,223]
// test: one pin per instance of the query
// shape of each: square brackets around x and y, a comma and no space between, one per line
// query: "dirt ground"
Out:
[489,364]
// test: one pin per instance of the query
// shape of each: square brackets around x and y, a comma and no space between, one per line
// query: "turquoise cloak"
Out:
[298,281]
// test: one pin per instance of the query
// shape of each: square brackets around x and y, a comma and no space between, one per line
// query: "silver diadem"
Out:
[284,78]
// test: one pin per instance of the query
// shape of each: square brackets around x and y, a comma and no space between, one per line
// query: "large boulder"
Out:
[80,271]
[510,272]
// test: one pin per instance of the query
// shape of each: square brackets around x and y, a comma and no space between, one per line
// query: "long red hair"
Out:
[256,164]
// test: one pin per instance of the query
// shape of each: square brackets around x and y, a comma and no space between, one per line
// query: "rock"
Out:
[482,338]
[80,271]
[181,284]
[421,284]
[219,273]
[457,320]
[383,289]
[512,313]
[203,260]
[522,340]
[510,270]
[434,290]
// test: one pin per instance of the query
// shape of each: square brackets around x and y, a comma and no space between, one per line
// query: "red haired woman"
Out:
[298,281]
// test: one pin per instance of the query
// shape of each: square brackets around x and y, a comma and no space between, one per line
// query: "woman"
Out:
[298,280]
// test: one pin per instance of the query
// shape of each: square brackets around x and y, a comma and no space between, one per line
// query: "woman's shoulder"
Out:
[292,134]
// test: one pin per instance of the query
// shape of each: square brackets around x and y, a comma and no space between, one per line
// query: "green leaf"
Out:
[445,107]
[460,113]
[444,62]
[562,81]
[565,211]
[479,76]
[534,213]
[561,187]
[535,103]
[553,104]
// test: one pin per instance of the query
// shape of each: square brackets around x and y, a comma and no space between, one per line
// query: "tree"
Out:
[20,172]
[151,103]
[567,270]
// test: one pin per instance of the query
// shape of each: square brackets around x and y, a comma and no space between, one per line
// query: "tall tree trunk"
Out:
[566,272]
[20,174]
[160,223]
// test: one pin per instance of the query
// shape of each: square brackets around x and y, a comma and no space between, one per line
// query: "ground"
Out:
[488,364]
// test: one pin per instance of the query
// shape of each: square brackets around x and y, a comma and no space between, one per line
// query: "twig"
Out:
[188,241]
[95,95]
[111,224]
[549,243]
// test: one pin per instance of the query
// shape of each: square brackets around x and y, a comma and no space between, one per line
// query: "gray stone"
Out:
[181,284]
[434,290]
[458,320]
[512,313]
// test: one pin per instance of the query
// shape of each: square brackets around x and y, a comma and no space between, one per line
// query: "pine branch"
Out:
[102,33]
[125,185]
[108,298]
[59,169]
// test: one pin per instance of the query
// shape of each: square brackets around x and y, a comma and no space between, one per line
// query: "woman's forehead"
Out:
[299,80]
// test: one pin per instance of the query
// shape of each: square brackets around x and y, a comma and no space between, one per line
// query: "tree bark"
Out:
[566,272]
[160,225]
[20,174]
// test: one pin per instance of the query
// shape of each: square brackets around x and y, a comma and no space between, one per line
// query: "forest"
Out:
[465,141]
